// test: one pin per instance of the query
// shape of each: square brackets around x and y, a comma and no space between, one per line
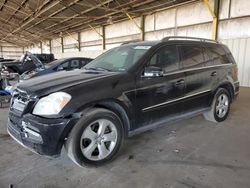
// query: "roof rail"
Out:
[131,41]
[188,38]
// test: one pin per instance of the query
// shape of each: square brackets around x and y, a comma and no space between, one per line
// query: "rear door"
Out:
[159,97]
[197,77]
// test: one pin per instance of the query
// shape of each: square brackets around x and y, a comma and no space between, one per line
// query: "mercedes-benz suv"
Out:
[125,91]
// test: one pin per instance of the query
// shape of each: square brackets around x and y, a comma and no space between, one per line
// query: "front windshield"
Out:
[53,63]
[118,59]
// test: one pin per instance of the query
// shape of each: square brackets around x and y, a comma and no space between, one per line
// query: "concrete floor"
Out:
[190,154]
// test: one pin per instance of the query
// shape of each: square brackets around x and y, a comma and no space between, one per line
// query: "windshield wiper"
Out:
[97,69]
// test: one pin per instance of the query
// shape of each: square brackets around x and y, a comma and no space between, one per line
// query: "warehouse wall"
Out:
[10,51]
[189,20]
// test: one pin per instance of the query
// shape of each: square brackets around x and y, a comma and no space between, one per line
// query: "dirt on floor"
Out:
[189,154]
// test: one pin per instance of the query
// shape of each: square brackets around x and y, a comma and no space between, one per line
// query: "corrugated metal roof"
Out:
[24,22]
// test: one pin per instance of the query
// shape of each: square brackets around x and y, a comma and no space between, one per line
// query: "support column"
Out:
[137,25]
[79,41]
[1,50]
[103,38]
[216,21]
[142,28]
[215,14]
[50,47]
[41,47]
[62,44]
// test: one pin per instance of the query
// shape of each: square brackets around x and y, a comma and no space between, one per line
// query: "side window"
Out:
[217,55]
[75,63]
[207,57]
[167,58]
[191,56]
[64,66]
[83,62]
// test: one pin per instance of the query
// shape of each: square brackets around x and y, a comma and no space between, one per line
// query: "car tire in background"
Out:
[95,139]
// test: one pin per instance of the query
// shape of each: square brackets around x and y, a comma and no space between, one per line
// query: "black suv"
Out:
[127,90]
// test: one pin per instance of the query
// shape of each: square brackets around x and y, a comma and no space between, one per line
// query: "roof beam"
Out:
[1,8]
[54,13]
[76,24]
[81,13]
[43,8]
[18,9]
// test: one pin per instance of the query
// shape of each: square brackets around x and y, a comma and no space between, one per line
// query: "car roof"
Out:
[133,43]
[153,43]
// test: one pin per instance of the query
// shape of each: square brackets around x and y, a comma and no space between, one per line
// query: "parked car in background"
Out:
[64,64]
[125,91]
[27,62]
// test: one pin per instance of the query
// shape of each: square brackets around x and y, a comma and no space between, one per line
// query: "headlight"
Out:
[51,104]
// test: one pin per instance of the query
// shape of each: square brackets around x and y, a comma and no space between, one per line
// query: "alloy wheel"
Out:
[98,139]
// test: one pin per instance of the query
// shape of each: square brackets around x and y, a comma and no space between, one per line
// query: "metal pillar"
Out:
[137,25]
[62,44]
[79,41]
[214,13]
[41,47]
[103,38]
[102,35]
[50,47]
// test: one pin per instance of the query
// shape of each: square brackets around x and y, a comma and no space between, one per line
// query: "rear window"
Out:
[217,55]
[191,56]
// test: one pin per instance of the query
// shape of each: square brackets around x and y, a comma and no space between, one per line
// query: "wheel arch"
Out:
[113,105]
[229,87]
[118,109]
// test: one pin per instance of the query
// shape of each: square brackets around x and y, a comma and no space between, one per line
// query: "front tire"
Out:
[220,107]
[95,139]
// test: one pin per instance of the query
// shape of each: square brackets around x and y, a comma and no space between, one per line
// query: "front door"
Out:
[158,97]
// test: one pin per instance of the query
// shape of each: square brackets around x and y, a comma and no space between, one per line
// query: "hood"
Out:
[30,74]
[35,60]
[50,83]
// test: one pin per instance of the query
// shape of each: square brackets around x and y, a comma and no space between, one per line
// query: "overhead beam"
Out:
[64,28]
[43,8]
[18,9]
[2,5]
[54,13]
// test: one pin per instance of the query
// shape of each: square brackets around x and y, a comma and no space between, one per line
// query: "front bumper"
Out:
[40,135]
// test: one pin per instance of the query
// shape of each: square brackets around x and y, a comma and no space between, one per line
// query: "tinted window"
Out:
[191,56]
[75,63]
[217,55]
[166,58]
[64,66]
[207,58]
[84,61]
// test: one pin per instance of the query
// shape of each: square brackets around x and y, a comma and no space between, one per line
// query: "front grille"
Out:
[19,102]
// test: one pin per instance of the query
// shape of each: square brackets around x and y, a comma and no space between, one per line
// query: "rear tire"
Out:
[220,106]
[95,139]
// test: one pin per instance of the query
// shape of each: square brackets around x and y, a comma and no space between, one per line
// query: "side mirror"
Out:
[152,71]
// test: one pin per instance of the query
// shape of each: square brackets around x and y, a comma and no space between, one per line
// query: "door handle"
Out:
[180,82]
[214,73]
